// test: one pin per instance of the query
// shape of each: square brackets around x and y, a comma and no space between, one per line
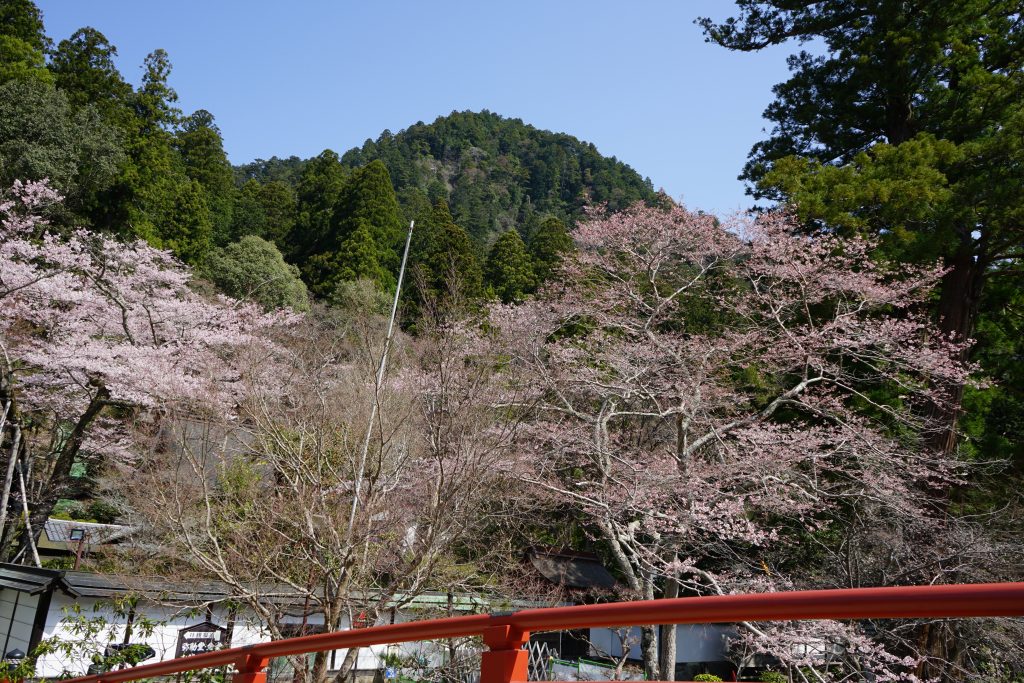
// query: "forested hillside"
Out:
[494,174]
[499,173]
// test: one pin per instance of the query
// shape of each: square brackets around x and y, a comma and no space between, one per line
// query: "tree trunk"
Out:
[957,314]
[958,307]
[60,475]
[347,665]
[649,652]
[319,672]
[5,498]
[649,636]
[667,637]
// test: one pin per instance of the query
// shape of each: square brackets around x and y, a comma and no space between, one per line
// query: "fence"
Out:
[506,633]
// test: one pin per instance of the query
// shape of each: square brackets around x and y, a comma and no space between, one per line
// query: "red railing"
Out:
[505,634]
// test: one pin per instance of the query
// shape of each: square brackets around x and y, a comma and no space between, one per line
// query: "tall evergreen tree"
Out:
[549,244]
[202,151]
[277,200]
[265,209]
[83,67]
[363,236]
[154,101]
[442,258]
[248,214]
[23,42]
[319,187]
[922,97]
[21,19]
[929,72]
[369,198]
[154,196]
[508,273]
[186,229]
[358,258]
[908,127]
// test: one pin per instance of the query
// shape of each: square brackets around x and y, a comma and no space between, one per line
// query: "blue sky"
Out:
[634,78]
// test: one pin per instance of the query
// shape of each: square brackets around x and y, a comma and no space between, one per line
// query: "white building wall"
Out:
[163,638]
[17,614]
[694,642]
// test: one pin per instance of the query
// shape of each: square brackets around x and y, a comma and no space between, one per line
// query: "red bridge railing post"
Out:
[505,661]
[251,669]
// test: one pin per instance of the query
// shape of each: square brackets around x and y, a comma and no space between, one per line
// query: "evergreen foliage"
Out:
[368,201]
[43,136]
[23,42]
[442,260]
[21,19]
[318,190]
[202,151]
[361,240]
[358,258]
[509,273]
[253,269]
[498,173]
[909,128]
[549,244]
[264,210]
[154,194]
[287,171]
[83,67]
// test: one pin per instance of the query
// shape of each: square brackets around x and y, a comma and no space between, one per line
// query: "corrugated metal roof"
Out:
[572,570]
[59,531]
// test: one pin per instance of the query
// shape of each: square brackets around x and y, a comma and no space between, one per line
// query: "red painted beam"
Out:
[975,600]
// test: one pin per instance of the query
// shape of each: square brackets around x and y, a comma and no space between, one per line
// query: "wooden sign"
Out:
[204,637]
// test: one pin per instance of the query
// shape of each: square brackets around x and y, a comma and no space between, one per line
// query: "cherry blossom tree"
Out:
[93,331]
[280,505]
[720,401]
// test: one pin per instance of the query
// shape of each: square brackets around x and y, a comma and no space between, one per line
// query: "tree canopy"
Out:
[252,269]
[509,271]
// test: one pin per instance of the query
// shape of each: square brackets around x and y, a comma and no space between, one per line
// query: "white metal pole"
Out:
[379,381]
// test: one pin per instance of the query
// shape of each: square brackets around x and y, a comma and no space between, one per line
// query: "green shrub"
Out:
[253,269]
[773,677]
[706,677]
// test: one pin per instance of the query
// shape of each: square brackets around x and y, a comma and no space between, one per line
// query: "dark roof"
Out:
[100,586]
[89,585]
[572,569]
[104,586]
[27,579]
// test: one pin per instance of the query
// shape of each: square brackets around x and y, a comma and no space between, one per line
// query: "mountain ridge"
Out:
[495,172]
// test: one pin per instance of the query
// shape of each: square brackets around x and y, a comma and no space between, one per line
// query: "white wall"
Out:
[694,642]
[16,621]
[164,638]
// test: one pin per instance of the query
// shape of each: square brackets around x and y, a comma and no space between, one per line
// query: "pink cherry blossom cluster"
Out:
[83,310]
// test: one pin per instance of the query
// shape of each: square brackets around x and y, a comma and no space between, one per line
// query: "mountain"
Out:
[494,172]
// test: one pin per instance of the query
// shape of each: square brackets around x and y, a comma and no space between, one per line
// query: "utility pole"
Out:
[378,383]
